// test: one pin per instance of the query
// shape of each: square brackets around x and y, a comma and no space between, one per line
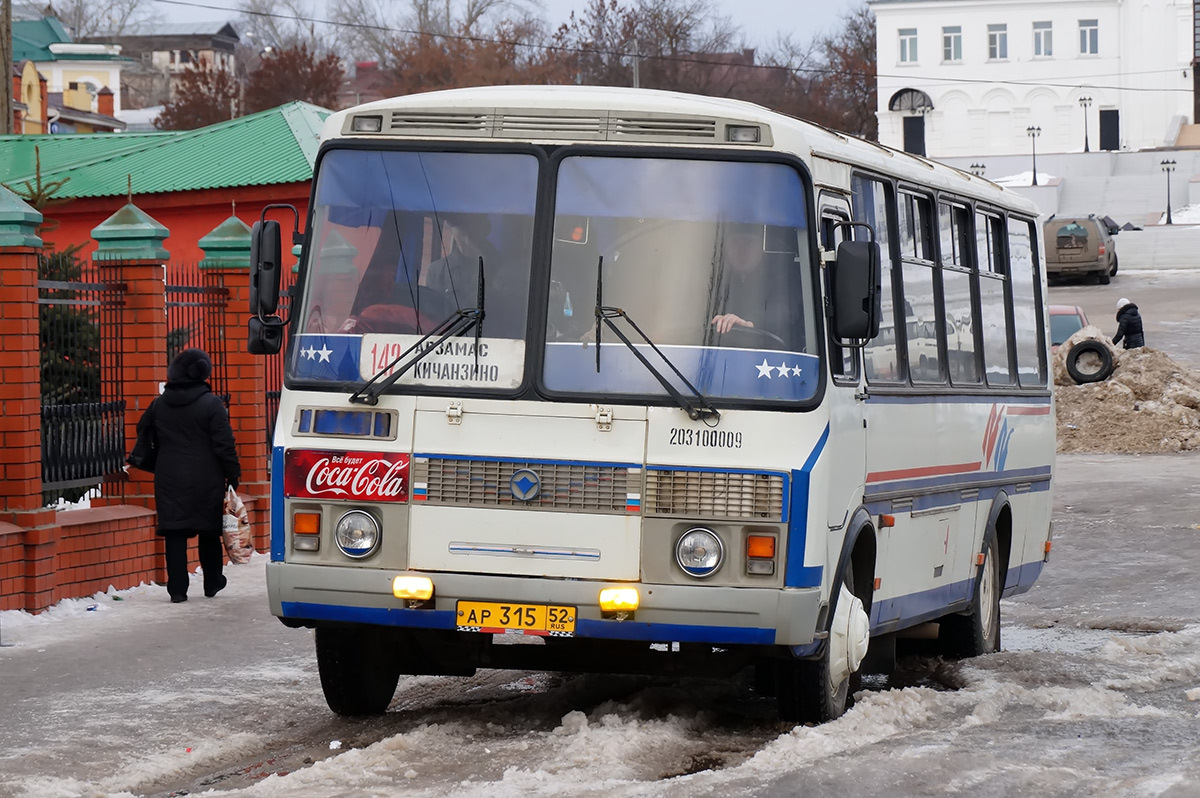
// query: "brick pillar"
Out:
[226,264]
[129,250]
[21,399]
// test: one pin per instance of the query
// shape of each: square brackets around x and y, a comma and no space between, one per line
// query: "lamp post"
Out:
[1033,133]
[1086,103]
[977,169]
[1168,167]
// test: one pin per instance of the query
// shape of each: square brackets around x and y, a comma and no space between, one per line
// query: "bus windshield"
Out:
[710,259]
[397,237]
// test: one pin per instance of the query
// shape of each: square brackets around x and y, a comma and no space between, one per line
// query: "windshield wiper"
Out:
[456,324]
[700,408]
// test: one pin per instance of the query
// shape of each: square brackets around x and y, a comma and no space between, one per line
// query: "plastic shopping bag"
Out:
[235,529]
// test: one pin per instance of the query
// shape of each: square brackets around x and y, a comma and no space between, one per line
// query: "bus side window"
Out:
[871,199]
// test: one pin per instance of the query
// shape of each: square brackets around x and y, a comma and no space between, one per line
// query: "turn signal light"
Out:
[412,588]
[619,599]
[760,546]
[306,523]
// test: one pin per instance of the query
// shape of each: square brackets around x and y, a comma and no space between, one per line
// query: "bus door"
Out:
[847,435]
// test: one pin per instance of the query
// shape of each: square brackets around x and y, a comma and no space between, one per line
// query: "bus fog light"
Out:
[619,599]
[306,543]
[760,567]
[700,552]
[412,588]
[357,534]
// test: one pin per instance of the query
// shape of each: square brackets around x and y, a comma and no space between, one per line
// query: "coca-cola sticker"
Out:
[346,476]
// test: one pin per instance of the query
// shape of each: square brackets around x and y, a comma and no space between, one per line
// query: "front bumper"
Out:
[668,613]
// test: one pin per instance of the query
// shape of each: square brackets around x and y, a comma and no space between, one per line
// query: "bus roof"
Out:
[599,113]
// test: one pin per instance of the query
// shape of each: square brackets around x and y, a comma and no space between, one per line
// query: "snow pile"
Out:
[1150,404]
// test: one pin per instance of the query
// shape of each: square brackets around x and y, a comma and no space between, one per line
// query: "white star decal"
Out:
[764,369]
[796,370]
[783,369]
[324,352]
[309,353]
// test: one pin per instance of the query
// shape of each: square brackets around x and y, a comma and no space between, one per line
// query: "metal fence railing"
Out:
[82,414]
[194,313]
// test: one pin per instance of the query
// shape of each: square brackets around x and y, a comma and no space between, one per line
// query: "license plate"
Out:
[496,617]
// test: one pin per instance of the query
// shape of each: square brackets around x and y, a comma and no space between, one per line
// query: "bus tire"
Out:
[976,631]
[818,690]
[359,669]
[1102,371]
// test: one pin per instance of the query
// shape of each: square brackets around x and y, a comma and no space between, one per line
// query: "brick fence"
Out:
[48,555]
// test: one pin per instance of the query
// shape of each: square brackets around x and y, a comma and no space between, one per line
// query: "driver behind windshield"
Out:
[744,296]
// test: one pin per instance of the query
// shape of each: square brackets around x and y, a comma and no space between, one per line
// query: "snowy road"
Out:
[1089,697]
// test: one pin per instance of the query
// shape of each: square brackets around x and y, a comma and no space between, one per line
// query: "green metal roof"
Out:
[32,39]
[271,147]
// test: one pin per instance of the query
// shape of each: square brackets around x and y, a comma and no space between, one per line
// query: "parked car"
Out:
[1079,246]
[1065,321]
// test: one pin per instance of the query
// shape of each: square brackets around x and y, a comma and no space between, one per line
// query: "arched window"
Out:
[911,100]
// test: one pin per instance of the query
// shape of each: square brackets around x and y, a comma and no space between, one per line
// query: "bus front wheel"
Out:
[359,669]
[818,690]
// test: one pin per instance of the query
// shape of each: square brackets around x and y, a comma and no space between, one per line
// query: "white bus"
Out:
[612,380]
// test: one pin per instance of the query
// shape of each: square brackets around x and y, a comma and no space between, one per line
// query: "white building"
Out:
[969,78]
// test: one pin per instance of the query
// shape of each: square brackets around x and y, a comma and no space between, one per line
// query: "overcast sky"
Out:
[761,20]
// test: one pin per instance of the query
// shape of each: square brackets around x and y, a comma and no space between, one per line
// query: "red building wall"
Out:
[189,215]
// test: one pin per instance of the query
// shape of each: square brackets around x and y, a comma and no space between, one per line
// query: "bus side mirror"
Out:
[856,291]
[266,258]
[265,335]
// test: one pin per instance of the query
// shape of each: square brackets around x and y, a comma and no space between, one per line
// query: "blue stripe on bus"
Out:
[964,480]
[1022,577]
[796,574]
[481,458]
[278,539]
[912,608]
[933,501]
[395,616]
[610,630]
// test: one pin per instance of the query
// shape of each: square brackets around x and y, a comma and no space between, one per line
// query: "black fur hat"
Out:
[190,365]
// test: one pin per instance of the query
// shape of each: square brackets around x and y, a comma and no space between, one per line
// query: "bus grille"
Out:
[564,486]
[714,494]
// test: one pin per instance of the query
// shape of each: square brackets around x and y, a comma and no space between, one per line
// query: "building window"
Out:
[1043,40]
[952,43]
[908,45]
[997,42]
[1089,37]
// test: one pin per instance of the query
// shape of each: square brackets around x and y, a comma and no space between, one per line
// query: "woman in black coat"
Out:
[1129,325]
[197,460]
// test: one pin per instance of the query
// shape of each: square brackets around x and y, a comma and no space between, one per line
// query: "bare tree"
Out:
[847,88]
[92,18]
[682,45]
[380,25]
[283,24]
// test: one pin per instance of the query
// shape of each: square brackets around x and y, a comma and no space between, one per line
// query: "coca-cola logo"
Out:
[358,476]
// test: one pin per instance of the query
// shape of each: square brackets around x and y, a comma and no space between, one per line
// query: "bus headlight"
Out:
[357,534]
[700,552]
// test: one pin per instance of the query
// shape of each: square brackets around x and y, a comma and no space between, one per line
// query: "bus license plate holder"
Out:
[506,617]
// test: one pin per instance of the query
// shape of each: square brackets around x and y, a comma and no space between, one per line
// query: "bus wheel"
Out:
[816,691]
[977,631]
[359,669]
